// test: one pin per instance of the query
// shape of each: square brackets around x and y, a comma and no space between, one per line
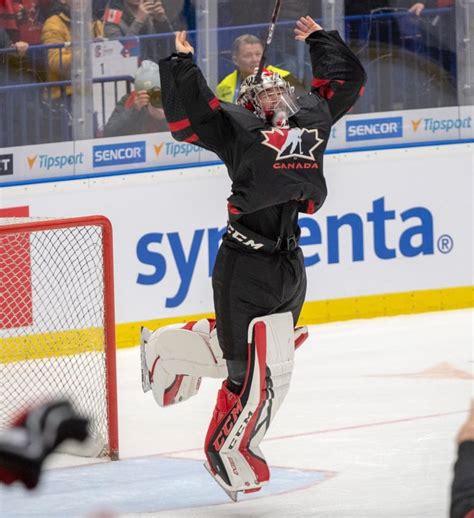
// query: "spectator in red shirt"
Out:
[23,19]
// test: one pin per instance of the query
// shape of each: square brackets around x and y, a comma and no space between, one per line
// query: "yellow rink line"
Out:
[64,343]
[50,345]
[334,310]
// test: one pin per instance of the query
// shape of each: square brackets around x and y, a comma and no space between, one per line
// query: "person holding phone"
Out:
[139,18]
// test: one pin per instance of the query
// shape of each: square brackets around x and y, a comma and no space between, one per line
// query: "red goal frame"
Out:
[109,307]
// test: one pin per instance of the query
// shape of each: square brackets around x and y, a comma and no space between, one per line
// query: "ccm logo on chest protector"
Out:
[238,236]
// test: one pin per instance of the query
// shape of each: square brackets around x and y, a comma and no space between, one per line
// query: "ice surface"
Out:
[367,430]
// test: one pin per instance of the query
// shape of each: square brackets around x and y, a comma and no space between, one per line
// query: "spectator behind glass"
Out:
[141,111]
[23,19]
[285,52]
[247,51]
[11,64]
[13,71]
[244,12]
[181,14]
[98,8]
[408,43]
[462,491]
[367,6]
[139,18]
[57,30]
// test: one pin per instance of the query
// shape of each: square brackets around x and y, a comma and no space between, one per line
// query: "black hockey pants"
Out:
[249,284]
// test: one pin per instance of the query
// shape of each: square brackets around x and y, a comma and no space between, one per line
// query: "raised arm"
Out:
[338,75]
[192,110]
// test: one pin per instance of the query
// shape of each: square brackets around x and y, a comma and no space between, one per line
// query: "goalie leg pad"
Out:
[240,421]
[175,358]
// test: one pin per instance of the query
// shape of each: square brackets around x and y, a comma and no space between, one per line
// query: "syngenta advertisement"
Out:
[331,240]
[394,221]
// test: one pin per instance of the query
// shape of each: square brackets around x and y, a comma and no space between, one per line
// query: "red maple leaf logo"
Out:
[276,138]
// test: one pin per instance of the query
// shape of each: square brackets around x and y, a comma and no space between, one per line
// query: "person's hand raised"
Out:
[141,100]
[21,47]
[145,9]
[417,8]
[159,11]
[304,27]
[182,43]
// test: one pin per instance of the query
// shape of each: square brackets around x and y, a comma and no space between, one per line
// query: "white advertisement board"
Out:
[148,152]
[394,221]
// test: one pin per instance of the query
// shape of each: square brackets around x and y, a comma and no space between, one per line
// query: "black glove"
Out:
[33,436]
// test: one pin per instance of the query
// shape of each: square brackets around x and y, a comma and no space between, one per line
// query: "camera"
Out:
[155,97]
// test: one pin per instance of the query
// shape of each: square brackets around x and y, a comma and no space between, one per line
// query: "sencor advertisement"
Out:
[160,151]
[393,222]
[370,129]
[107,155]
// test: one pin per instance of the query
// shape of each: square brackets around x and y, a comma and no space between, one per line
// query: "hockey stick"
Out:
[271,29]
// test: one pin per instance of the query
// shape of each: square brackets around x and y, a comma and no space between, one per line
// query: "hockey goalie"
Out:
[272,145]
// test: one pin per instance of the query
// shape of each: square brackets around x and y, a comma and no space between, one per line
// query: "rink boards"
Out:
[395,235]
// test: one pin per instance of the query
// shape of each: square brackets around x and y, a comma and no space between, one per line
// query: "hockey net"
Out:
[57,328]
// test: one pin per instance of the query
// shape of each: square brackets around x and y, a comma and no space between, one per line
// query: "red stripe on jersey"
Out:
[361,91]
[317,83]
[232,208]
[323,87]
[470,514]
[311,207]
[214,103]
[192,138]
[327,93]
[179,125]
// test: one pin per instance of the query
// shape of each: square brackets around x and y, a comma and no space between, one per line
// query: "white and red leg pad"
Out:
[240,422]
[175,358]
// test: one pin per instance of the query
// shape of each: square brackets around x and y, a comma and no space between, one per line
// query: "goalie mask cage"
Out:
[57,326]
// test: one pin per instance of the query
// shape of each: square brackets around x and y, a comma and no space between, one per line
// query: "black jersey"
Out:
[268,166]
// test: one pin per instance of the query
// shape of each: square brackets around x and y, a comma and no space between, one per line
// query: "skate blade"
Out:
[146,385]
[233,495]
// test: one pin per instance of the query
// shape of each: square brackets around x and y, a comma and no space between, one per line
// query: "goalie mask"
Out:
[271,99]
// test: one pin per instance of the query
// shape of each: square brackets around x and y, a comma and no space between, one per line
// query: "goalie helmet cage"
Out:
[57,323]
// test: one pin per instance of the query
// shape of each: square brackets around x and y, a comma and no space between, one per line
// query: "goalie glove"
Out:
[35,434]
[175,358]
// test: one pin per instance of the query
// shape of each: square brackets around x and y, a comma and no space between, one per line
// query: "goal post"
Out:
[57,322]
